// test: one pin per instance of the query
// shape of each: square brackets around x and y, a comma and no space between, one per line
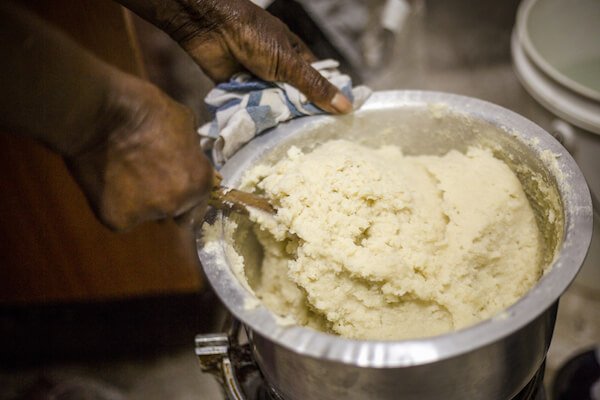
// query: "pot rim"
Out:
[575,198]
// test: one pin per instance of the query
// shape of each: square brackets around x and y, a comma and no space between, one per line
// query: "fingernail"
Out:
[341,103]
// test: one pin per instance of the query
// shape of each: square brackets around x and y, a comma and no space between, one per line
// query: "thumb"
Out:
[314,86]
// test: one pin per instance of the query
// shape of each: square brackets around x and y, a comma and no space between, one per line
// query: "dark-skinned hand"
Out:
[147,163]
[132,149]
[229,36]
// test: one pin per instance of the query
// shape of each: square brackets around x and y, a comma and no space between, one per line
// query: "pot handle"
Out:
[565,134]
[231,362]
[216,351]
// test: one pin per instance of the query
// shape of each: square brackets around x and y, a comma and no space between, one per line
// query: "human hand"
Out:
[229,36]
[145,162]
[132,149]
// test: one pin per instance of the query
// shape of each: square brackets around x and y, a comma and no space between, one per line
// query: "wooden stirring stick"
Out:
[236,200]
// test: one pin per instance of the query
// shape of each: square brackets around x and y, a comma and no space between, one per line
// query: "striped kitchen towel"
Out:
[246,106]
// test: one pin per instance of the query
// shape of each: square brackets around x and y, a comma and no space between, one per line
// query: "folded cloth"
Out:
[246,106]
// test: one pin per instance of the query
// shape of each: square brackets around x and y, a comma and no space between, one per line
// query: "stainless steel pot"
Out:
[584,146]
[491,360]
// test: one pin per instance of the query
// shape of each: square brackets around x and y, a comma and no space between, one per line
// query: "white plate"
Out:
[561,101]
[562,38]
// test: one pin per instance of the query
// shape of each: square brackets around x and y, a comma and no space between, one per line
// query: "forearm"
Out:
[132,149]
[52,89]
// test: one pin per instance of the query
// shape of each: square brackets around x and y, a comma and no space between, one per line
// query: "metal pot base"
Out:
[232,364]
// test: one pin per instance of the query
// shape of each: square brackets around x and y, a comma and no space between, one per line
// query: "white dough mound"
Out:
[372,244]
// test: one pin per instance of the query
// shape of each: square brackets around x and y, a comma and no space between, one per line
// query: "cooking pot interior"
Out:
[432,130]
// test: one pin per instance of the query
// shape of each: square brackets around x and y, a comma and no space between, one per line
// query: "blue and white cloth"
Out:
[246,106]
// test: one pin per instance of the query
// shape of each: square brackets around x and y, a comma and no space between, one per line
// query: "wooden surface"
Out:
[101,26]
[51,246]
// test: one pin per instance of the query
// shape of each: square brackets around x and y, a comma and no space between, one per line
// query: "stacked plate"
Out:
[556,55]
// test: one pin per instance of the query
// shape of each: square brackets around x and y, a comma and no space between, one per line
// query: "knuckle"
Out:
[119,209]
[278,67]
[317,87]
[294,72]
[115,220]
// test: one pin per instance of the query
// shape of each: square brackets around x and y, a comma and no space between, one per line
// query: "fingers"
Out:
[214,59]
[298,72]
[310,82]
[264,46]
[301,48]
[194,216]
[191,208]
[315,87]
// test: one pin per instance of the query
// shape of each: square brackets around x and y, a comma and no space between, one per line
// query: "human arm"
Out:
[132,149]
[227,36]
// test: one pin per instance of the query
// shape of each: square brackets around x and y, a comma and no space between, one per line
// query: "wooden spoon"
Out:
[225,198]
